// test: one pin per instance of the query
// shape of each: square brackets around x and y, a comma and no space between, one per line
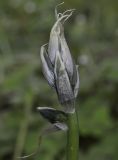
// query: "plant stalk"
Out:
[73,137]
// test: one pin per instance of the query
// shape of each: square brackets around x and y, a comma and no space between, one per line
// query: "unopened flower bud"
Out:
[58,66]
[63,86]
[56,117]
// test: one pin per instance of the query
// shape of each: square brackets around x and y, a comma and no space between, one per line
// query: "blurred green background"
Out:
[92,34]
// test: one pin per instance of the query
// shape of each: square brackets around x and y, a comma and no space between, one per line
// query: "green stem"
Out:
[28,97]
[73,137]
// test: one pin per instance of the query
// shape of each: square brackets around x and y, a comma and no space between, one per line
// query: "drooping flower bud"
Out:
[56,117]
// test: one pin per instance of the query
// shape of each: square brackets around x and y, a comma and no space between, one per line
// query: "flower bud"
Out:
[63,86]
[54,41]
[56,117]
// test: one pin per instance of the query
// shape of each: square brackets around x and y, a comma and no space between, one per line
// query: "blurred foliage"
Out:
[92,33]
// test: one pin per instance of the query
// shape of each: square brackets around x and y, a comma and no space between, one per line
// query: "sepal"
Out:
[63,86]
[76,89]
[46,67]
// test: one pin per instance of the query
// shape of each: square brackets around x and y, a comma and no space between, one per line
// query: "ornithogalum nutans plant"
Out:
[62,75]
[61,72]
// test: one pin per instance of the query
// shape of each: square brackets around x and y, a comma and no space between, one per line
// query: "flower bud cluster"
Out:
[58,67]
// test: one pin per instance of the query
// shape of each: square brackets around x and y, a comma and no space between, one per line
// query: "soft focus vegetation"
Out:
[92,34]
